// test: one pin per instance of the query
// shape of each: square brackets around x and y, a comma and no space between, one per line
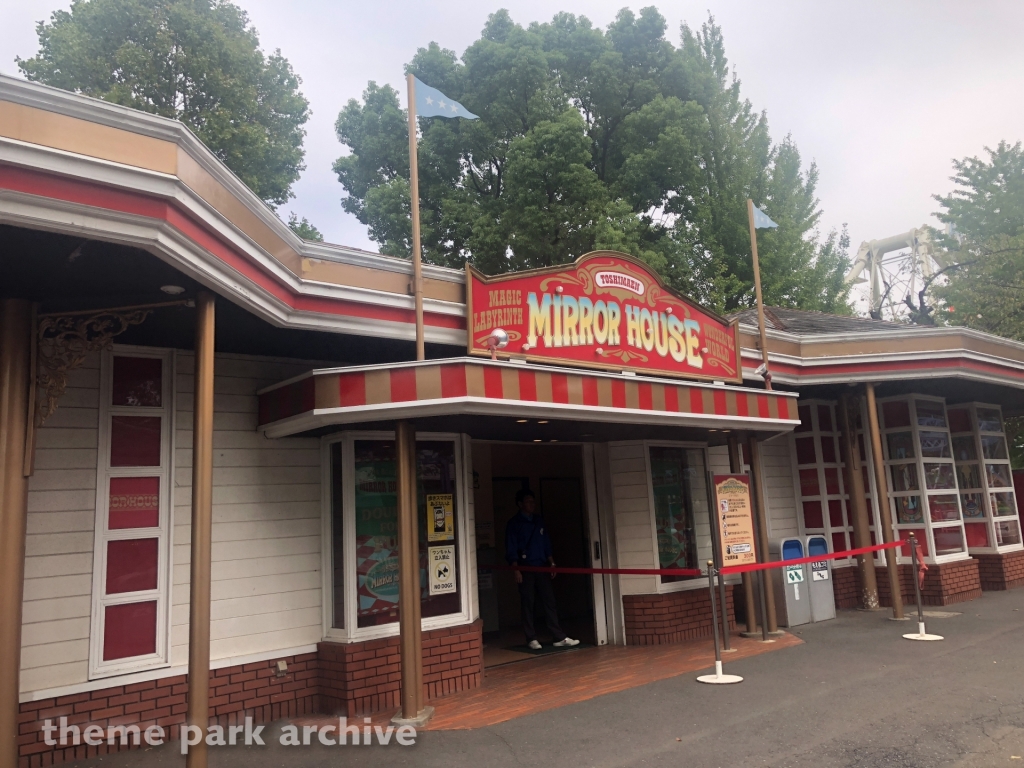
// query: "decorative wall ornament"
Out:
[66,340]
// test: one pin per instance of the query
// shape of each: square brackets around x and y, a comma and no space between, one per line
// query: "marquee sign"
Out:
[607,310]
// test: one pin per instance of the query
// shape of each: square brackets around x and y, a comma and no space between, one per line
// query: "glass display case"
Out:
[991,519]
[926,482]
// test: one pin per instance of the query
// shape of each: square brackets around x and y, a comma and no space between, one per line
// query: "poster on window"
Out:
[735,519]
[441,568]
[376,533]
[440,517]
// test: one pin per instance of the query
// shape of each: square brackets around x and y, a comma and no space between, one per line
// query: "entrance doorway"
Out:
[556,476]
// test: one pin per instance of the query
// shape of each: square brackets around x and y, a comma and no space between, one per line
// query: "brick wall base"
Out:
[251,690]
[360,678]
[944,584]
[846,586]
[350,679]
[671,617]
[1000,572]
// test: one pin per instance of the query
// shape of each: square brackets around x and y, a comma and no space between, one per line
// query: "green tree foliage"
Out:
[197,61]
[592,139]
[985,289]
[304,229]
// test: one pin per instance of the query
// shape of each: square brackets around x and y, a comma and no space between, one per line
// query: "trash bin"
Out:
[789,583]
[822,596]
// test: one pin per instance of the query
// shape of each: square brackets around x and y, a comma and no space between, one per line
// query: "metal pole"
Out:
[409,573]
[15,382]
[414,194]
[917,584]
[760,520]
[858,505]
[202,524]
[716,544]
[736,467]
[757,291]
[882,485]
[714,617]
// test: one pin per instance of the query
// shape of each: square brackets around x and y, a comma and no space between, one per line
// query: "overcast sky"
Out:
[881,94]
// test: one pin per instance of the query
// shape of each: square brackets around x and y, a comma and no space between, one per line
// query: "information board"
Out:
[734,516]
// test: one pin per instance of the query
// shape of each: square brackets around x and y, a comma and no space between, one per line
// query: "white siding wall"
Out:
[631,507]
[266,518]
[59,546]
[776,461]
[266,526]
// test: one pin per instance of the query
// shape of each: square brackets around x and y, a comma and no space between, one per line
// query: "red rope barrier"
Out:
[813,559]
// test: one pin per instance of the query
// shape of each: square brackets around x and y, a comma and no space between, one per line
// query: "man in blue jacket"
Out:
[528,543]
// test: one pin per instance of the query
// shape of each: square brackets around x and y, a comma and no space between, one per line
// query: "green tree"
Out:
[985,254]
[197,61]
[304,229]
[590,139]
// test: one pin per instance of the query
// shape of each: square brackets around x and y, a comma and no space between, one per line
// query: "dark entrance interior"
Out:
[555,475]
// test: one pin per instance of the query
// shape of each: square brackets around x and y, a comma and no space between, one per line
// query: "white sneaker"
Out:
[567,643]
[533,645]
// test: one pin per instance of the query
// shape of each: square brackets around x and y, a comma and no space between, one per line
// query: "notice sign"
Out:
[441,567]
[440,517]
[795,575]
[819,571]
[735,519]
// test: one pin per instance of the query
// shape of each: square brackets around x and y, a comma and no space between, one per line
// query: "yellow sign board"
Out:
[735,520]
[440,517]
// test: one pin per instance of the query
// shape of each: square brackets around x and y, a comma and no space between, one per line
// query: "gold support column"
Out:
[858,505]
[15,383]
[882,486]
[736,467]
[202,523]
[754,457]
[411,638]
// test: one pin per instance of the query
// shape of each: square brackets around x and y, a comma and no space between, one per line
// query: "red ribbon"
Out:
[813,559]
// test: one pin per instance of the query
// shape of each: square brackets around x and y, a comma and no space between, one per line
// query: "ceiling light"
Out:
[553,440]
[536,439]
[520,421]
[543,421]
[712,430]
[173,290]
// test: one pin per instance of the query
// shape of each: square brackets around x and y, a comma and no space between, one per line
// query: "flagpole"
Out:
[757,289]
[414,193]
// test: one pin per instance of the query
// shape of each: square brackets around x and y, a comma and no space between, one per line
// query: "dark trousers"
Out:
[535,584]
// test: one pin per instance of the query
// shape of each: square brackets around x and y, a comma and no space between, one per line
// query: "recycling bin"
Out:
[822,596]
[789,583]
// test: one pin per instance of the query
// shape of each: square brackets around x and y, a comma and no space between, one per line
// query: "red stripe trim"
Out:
[783,407]
[762,406]
[742,406]
[671,398]
[98,196]
[618,393]
[528,386]
[559,388]
[645,396]
[352,389]
[403,385]
[453,381]
[590,391]
[696,401]
[492,383]
[721,409]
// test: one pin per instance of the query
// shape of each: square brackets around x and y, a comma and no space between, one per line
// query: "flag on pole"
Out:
[761,220]
[430,102]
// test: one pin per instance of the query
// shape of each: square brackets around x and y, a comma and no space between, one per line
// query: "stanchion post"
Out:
[736,468]
[921,633]
[718,678]
[716,545]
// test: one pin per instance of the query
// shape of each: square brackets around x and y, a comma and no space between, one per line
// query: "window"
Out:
[364,552]
[820,478]
[922,474]
[991,520]
[679,505]
[131,561]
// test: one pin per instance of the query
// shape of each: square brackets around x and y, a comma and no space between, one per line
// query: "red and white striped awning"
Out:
[472,387]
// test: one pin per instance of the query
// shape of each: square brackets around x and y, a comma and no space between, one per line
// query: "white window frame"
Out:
[923,491]
[675,586]
[990,518]
[351,632]
[98,668]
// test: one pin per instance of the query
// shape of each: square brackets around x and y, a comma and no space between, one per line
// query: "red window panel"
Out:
[896,414]
[131,565]
[977,534]
[828,449]
[129,630]
[835,513]
[137,381]
[831,481]
[805,419]
[839,542]
[805,450]
[959,419]
[135,441]
[813,517]
[824,418]
[134,502]
[809,482]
